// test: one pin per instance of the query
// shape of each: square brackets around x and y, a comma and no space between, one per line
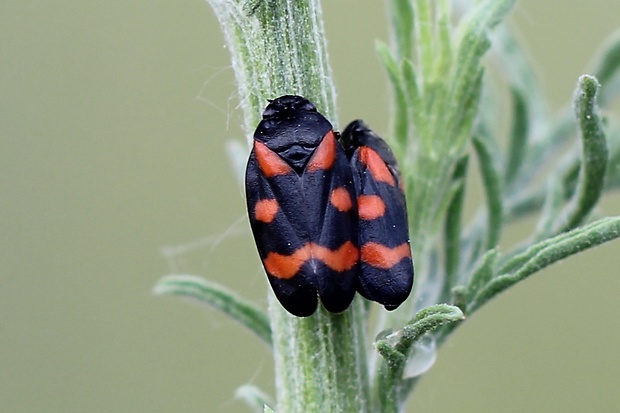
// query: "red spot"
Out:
[265,210]
[270,162]
[341,199]
[370,207]
[384,257]
[377,167]
[324,155]
[286,266]
[342,259]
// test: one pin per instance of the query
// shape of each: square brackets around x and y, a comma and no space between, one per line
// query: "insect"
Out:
[302,191]
[386,265]
[302,208]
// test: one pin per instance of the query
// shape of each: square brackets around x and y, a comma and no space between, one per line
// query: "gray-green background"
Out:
[113,123]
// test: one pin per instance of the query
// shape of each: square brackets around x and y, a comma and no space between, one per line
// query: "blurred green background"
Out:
[114,118]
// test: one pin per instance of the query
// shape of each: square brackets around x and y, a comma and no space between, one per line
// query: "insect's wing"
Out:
[305,226]
[387,267]
[328,189]
[273,198]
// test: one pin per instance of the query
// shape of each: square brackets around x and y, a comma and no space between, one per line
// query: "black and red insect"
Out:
[302,196]
[386,274]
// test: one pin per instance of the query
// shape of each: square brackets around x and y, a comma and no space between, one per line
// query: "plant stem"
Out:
[278,47]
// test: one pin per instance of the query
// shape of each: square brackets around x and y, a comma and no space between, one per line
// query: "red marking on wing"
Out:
[287,266]
[265,210]
[376,165]
[270,162]
[342,259]
[324,155]
[384,257]
[370,207]
[341,199]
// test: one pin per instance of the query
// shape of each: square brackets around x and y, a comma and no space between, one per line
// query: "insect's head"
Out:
[288,106]
[353,135]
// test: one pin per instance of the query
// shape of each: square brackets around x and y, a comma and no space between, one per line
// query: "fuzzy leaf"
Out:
[208,292]
[473,42]
[444,39]
[594,157]
[393,357]
[426,320]
[493,190]
[465,115]
[402,25]
[424,35]
[518,136]
[549,252]
[412,93]
[452,227]
[512,262]
[396,348]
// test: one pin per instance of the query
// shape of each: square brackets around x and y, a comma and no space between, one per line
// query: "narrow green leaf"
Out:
[452,227]
[513,262]
[255,398]
[473,42]
[444,203]
[396,347]
[464,81]
[208,292]
[400,121]
[486,124]
[482,274]
[412,93]
[393,357]
[594,157]
[423,27]
[518,136]
[268,410]
[463,118]
[401,13]
[555,249]
[426,320]
[493,189]
[443,58]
